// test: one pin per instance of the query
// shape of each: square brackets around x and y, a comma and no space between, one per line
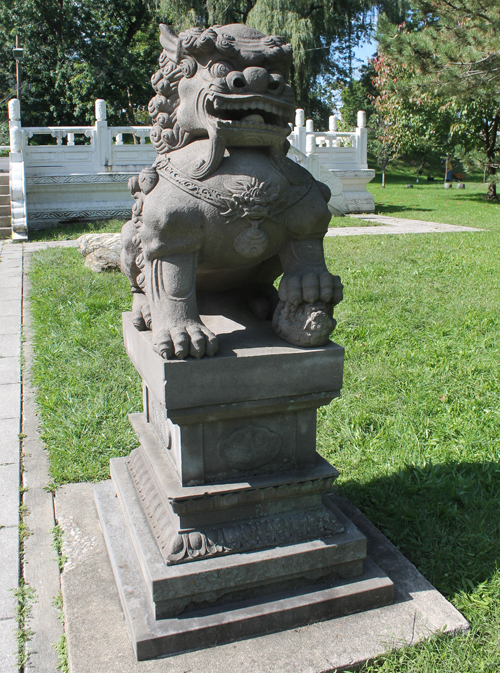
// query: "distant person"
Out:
[449,168]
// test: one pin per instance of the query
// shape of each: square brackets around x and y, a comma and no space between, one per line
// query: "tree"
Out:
[359,95]
[450,53]
[322,33]
[415,126]
[76,52]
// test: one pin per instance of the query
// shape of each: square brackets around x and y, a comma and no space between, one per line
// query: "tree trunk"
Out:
[383,178]
[490,139]
[421,166]
[492,186]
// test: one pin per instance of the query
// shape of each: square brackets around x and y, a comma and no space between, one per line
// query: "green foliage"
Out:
[58,544]
[26,596]
[75,53]
[359,95]
[445,59]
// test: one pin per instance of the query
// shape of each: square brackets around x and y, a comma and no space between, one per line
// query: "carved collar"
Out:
[245,198]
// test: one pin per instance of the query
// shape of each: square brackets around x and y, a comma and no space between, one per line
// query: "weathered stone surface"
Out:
[98,638]
[9,571]
[9,439]
[10,346]
[8,646]
[101,251]
[256,381]
[9,494]
[223,208]
[10,397]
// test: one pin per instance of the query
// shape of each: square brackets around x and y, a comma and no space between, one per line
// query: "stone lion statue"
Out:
[222,207]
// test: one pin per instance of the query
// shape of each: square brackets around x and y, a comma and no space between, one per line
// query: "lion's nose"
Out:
[257,79]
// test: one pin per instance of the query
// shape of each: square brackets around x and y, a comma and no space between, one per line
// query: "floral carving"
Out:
[249,448]
[275,531]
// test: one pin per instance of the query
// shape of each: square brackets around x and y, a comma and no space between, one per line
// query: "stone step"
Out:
[5,210]
[5,232]
[4,199]
[5,221]
[4,178]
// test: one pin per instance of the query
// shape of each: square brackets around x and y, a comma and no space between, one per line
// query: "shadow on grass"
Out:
[391,208]
[444,518]
[72,230]
[478,198]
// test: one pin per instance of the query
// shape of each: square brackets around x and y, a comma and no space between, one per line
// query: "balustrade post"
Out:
[70,139]
[310,143]
[332,123]
[16,173]
[102,146]
[309,126]
[300,130]
[362,140]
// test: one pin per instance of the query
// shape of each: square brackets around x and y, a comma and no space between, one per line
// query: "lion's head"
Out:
[225,83]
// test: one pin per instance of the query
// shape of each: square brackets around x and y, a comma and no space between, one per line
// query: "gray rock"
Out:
[101,251]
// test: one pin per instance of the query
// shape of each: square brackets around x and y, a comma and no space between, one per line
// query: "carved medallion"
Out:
[249,448]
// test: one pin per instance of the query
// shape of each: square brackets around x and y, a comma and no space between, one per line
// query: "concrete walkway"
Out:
[11,283]
[395,225]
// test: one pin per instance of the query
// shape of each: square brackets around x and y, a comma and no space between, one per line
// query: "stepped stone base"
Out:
[220,525]
[216,624]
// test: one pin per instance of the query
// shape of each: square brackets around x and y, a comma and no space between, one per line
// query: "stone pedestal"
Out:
[222,527]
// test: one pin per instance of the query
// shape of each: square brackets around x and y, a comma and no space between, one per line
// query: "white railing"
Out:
[334,148]
[83,175]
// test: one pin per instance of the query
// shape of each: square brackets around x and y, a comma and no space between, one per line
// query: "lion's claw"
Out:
[308,288]
[180,341]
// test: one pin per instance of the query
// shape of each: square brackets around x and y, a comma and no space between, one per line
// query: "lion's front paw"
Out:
[309,288]
[304,324]
[180,341]
[141,313]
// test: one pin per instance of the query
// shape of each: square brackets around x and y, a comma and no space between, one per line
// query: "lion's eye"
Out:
[219,69]
[276,82]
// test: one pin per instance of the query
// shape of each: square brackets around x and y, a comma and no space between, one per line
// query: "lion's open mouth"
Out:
[250,111]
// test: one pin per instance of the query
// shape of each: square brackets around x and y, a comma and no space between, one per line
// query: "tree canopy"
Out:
[441,70]
[76,52]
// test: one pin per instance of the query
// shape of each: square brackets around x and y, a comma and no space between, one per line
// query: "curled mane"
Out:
[166,134]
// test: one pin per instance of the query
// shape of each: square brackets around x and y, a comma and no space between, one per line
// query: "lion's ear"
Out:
[170,42]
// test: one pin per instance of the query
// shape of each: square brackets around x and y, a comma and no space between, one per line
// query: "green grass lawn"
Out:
[416,434]
[429,201]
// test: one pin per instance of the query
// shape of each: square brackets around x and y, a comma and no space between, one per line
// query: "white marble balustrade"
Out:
[84,174]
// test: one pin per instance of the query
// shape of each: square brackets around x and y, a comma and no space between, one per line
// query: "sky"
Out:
[366,50]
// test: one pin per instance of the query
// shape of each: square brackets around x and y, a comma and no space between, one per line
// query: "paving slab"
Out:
[98,639]
[9,495]
[9,575]
[10,400]
[8,646]
[11,307]
[10,325]
[10,371]
[396,225]
[9,441]
[9,345]
[11,283]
